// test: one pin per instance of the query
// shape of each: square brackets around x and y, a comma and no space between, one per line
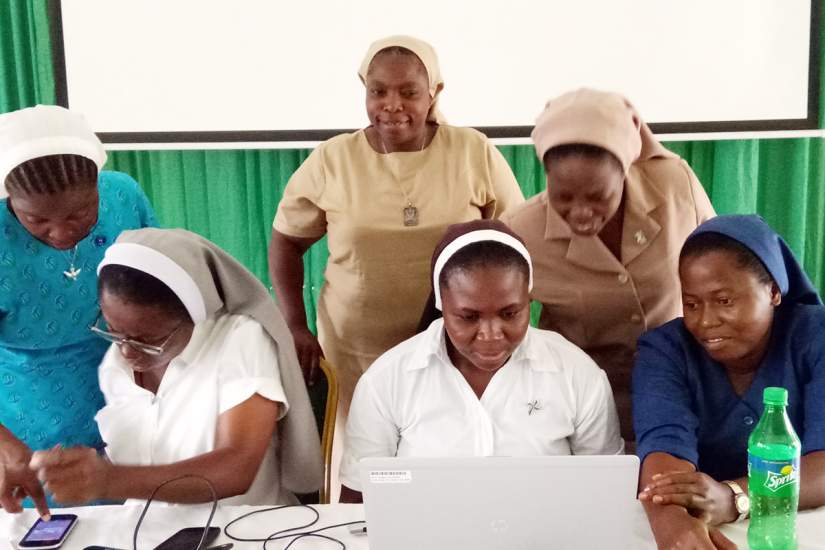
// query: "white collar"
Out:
[432,343]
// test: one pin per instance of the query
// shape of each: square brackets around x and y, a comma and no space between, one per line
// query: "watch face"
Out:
[743,503]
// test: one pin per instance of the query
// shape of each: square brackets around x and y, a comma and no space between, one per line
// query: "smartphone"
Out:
[188,539]
[48,534]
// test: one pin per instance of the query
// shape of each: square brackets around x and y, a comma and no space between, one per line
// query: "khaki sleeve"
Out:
[506,192]
[701,202]
[299,212]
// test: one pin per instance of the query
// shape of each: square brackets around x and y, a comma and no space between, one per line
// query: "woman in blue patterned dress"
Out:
[58,214]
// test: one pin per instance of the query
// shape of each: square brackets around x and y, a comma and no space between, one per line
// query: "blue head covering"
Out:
[752,232]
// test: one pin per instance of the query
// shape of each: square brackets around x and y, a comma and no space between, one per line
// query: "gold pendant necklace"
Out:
[410,211]
[73,272]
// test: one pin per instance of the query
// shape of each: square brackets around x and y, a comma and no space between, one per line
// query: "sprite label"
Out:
[776,477]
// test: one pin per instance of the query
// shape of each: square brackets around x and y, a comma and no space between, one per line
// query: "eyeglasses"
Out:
[141,347]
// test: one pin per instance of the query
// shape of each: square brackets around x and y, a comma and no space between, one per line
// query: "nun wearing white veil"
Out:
[202,378]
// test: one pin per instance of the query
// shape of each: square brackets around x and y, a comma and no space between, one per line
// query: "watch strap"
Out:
[737,491]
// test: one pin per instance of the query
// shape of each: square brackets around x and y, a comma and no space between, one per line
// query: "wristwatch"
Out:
[741,501]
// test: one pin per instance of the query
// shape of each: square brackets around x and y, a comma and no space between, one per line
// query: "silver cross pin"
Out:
[533,406]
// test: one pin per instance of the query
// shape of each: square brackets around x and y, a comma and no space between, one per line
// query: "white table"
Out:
[113,526]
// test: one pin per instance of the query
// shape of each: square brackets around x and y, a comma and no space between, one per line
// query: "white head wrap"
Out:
[45,130]
[475,237]
[161,267]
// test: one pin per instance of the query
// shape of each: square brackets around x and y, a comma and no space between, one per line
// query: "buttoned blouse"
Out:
[549,399]
[229,359]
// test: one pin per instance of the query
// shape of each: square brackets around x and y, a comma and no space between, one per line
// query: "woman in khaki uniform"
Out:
[605,237]
[384,195]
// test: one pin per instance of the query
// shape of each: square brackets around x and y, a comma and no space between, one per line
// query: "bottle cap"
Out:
[775,396]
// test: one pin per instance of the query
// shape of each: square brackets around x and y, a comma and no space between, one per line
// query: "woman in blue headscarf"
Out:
[752,319]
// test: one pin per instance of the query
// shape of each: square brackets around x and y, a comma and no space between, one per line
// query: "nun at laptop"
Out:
[479,381]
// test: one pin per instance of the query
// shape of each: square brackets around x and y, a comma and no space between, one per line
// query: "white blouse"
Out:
[228,359]
[549,399]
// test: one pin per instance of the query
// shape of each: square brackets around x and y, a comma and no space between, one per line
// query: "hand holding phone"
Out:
[48,534]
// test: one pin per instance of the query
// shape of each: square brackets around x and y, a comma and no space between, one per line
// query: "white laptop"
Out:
[500,503]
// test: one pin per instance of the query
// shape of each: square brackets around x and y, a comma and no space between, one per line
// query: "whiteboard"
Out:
[253,70]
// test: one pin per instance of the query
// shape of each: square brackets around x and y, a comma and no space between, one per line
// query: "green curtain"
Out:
[25,55]
[231,196]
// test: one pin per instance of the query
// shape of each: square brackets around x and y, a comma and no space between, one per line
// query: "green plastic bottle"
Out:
[773,476]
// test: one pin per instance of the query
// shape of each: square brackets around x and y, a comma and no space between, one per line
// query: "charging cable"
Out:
[293,533]
[152,497]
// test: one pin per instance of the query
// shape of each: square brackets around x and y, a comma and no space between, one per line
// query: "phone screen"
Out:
[49,534]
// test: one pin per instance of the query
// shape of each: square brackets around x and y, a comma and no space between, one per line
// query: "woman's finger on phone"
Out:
[28,485]
[18,482]
[35,491]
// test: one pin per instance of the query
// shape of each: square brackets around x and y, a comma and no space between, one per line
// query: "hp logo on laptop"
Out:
[499,526]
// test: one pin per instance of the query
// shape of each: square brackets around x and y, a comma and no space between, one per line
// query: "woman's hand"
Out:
[699,537]
[703,496]
[309,353]
[681,531]
[286,269]
[720,541]
[17,480]
[73,476]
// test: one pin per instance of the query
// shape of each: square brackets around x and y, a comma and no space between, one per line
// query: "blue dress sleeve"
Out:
[813,438]
[664,418]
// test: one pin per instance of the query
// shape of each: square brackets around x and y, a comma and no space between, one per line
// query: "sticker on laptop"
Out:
[390,476]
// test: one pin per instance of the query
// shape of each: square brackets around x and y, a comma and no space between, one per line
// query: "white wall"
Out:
[234,65]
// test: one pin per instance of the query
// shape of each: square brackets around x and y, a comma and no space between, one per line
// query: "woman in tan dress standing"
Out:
[384,196]
[605,237]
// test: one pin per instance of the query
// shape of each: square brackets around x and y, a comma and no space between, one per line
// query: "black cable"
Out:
[152,497]
[299,537]
[285,533]
[273,508]
[279,536]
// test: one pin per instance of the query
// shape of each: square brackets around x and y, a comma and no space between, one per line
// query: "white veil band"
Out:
[149,260]
[475,237]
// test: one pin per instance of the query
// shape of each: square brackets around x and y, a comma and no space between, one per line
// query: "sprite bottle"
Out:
[773,476]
